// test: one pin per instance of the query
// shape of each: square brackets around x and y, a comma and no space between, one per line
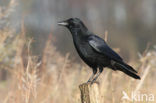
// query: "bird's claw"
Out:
[91,82]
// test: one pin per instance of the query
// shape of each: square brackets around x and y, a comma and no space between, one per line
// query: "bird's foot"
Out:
[94,82]
[91,82]
[88,81]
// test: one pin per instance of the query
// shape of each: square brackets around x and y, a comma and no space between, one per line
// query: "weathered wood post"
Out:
[85,98]
[89,93]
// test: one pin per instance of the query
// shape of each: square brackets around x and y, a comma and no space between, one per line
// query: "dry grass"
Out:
[56,78]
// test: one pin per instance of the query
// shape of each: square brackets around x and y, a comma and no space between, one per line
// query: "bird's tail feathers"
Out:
[126,69]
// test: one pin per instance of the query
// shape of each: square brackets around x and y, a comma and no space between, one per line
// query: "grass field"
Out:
[56,78]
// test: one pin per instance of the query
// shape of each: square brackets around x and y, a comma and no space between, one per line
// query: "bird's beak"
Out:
[63,23]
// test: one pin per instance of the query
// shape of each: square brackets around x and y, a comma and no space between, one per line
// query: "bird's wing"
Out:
[99,45]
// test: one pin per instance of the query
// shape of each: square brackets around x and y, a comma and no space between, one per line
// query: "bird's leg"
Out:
[100,71]
[94,72]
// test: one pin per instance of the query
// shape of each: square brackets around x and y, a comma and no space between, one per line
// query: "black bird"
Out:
[94,51]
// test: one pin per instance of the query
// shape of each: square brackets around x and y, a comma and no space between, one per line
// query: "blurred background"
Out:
[131,24]
[37,55]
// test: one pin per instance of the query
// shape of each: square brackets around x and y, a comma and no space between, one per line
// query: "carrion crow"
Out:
[94,51]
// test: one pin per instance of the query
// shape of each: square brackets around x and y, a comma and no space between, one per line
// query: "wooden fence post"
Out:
[89,93]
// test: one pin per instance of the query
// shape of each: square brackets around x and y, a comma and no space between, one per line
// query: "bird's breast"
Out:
[89,55]
[85,52]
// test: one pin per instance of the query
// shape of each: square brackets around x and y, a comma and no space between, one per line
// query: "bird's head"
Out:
[72,24]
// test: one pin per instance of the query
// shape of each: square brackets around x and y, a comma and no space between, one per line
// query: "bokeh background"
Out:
[30,38]
[130,24]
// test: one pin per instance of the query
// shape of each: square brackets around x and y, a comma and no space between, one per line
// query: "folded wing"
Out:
[101,47]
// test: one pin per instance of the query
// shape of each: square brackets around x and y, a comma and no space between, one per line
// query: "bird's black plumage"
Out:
[94,51]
